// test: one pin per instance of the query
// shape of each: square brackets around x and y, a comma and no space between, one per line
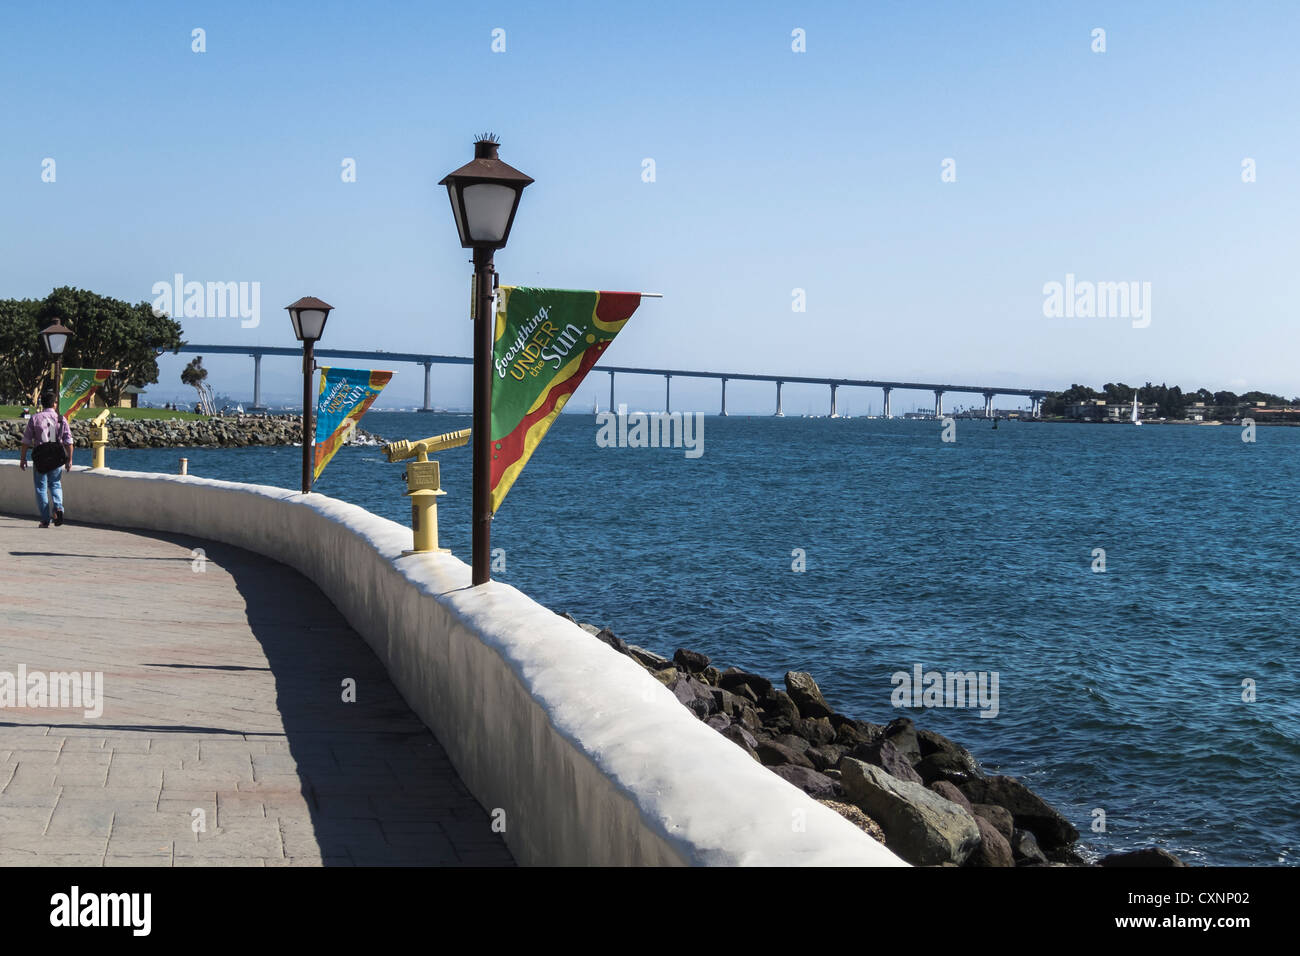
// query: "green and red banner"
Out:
[76,387]
[345,394]
[546,342]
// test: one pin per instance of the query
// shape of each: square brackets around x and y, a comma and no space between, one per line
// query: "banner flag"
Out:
[76,387]
[345,394]
[546,342]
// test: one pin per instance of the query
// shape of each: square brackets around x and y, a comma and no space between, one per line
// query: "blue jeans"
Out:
[48,485]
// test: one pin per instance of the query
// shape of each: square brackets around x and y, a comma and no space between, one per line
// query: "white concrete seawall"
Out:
[591,759]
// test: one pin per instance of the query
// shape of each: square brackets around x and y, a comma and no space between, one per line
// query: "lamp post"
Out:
[484,196]
[308,315]
[55,336]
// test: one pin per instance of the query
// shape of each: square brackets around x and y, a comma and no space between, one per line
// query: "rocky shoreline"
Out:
[922,795]
[235,431]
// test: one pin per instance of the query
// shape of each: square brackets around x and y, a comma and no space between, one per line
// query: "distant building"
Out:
[1098,410]
[130,398]
[1261,413]
[1089,411]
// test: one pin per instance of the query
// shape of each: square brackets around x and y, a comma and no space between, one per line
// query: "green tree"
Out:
[23,361]
[1120,394]
[194,375]
[1054,403]
[110,333]
[1268,398]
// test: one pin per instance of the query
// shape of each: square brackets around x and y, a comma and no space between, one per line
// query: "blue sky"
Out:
[775,170]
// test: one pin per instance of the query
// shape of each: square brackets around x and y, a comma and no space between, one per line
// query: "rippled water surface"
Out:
[1119,691]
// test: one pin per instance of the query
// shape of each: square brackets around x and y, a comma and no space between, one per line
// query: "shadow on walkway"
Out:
[242,689]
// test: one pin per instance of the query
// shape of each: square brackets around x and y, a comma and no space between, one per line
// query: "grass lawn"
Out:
[14,411]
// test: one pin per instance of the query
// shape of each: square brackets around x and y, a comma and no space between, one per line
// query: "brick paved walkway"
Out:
[222,694]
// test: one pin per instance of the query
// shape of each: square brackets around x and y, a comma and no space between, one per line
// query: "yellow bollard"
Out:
[99,438]
[423,485]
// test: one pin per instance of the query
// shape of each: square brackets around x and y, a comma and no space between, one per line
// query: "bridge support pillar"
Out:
[724,398]
[611,391]
[668,393]
[257,381]
[938,403]
[834,413]
[1035,404]
[428,406]
[887,413]
[779,413]
[988,404]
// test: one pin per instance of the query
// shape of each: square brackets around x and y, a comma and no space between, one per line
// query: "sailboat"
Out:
[1135,409]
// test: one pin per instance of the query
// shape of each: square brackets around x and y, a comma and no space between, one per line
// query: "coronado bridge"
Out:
[256,352]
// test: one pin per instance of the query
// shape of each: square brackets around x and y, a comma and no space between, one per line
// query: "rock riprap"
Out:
[234,431]
[925,796]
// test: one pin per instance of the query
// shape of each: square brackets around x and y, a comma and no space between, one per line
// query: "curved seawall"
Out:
[591,759]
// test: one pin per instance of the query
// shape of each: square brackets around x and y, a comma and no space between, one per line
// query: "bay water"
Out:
[1157,697]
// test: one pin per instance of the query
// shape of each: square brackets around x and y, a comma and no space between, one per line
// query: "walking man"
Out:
[50,438]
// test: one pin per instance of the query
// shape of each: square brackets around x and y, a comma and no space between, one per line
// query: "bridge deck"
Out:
[222,693]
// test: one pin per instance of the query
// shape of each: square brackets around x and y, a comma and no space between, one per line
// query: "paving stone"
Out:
[210,703]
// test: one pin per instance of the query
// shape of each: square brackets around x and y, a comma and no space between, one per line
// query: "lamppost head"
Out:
[55,337]
[484,196]
[308,315]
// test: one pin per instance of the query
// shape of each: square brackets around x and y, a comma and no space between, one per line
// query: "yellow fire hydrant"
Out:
[423,484]
[99,438]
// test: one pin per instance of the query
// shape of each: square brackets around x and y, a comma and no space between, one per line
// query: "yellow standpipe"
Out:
[423,484]
[99,438]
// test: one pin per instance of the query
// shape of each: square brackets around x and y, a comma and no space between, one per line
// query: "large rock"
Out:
[811,782]
[817,731]
[807,696]
[932,743]
[949,792]
[726,702]
[743,739]
[994,850]
[943,766]
[793,741]
[920,826]
[733,678]
[777,705]
[607,636]
[1067,856]
[1027,808]
[901,732]
[773,754]
[692,661]
[682,690]
[850,733]
[1025,848]
[697,696]
[667,676]
[648,659]
[1000,817]
[885,755]
[1149,856]
[825,758]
